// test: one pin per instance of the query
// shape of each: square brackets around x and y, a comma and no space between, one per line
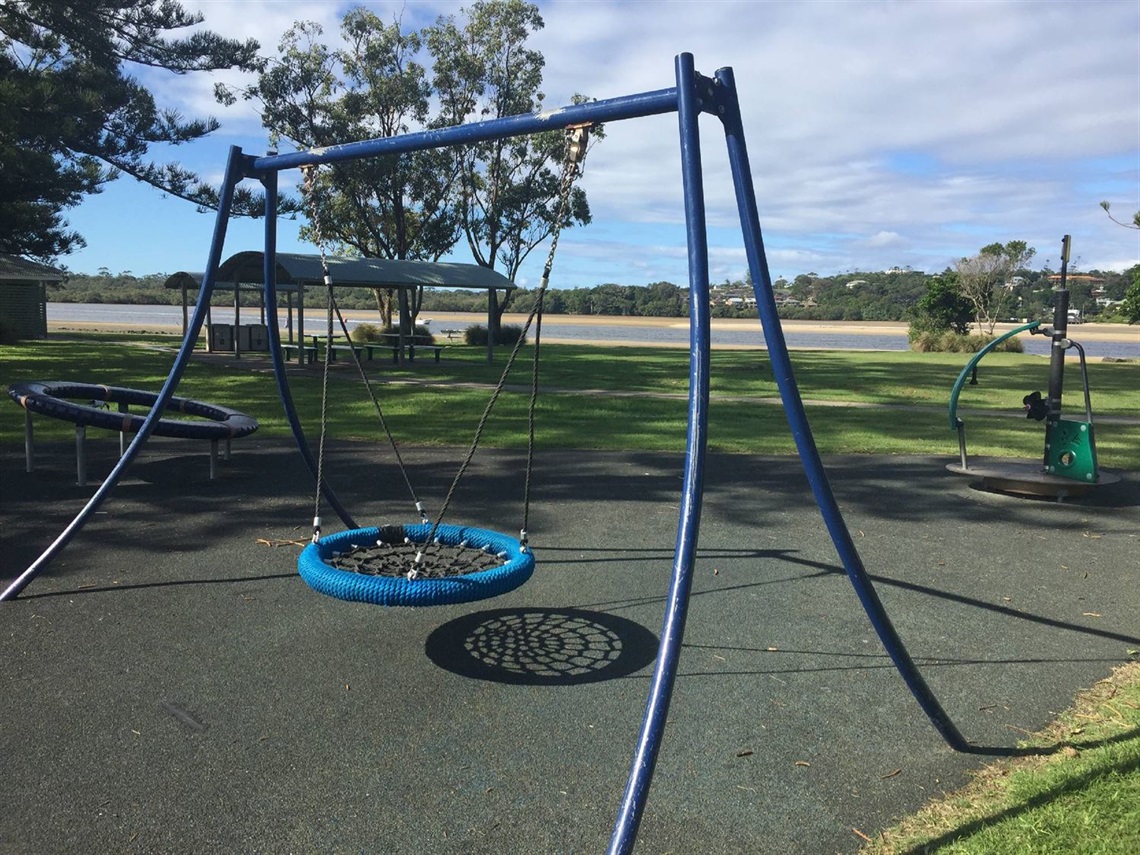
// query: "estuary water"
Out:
[1105,341]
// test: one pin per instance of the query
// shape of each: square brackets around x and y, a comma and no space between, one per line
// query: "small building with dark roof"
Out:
[23,297]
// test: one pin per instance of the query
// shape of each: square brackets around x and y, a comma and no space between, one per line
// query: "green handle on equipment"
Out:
[957,390]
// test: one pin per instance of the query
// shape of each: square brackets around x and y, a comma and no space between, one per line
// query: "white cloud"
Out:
[879,133]
[880,239]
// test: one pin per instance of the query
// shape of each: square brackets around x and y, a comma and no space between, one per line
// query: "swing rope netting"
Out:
[428,563]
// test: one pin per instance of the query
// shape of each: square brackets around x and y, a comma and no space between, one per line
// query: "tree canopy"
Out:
[501,195]
[397,207]
[482,70]
[942,308]
[72,116]
[984,279]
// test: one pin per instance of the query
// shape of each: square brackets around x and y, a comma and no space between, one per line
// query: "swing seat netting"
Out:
[371,565]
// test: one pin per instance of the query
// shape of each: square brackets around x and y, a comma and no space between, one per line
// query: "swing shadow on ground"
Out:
[542,647]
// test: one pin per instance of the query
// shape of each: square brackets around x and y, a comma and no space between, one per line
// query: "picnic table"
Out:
[308,354]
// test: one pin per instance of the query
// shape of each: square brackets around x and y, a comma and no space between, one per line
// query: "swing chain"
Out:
[577,140]
[576,137]
[309,191]
[309,171]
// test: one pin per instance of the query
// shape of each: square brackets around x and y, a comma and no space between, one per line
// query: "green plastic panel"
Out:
[1070,450]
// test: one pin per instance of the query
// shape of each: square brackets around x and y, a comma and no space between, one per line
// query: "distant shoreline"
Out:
[461,320]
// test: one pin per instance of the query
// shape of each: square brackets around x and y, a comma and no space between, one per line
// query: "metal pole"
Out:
[594,112]
[677,602]
[235,171]
[273,331]
[1060,334]
[402,324]
[729,110]
[492,322]
[81,455]
[237,318]
[123,408]
[29,443]
[185,316]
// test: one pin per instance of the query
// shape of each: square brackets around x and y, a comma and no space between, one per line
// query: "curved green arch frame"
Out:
[957,390]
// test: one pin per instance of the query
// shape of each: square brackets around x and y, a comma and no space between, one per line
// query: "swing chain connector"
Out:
[577,139]
[316,529]
[414,572]
[524,541]
[423,513]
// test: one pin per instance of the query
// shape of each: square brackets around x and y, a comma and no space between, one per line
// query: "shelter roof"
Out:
[301,269]
[16,269]
[193,281]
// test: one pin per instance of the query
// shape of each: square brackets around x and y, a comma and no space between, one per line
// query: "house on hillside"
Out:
[23,297]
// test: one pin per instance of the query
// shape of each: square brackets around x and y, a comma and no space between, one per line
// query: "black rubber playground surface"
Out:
[170,685]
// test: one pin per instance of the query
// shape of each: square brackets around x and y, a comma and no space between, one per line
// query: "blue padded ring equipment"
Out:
[51,399]
[517,567]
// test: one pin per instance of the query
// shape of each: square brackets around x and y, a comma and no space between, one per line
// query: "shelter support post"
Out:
[492,322]
[81,455]
[29,443]
[237,319]
[403,326]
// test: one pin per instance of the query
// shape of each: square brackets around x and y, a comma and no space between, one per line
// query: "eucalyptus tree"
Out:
[394,207]
[73,118]
[983,279]
[509,191]
[502,196]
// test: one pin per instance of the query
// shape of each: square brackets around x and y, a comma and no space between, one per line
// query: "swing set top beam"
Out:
[591,113]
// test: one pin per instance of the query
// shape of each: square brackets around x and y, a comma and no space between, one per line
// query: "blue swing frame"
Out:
[693,95]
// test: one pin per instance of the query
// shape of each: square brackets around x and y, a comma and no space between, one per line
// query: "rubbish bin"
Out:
[254,337]
[220,338]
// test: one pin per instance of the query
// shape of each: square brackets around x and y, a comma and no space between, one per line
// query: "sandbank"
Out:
[458,321]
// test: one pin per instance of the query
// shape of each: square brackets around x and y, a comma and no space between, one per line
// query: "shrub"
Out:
[365,333]
[951,342]
[508,334]
[373,333]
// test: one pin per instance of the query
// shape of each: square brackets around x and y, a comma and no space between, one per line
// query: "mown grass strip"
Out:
[1079,794]
[617,398]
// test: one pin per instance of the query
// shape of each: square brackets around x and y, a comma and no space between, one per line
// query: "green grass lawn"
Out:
[1079,796]
[580,407]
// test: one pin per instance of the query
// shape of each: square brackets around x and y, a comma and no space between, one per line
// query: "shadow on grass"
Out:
[962,832]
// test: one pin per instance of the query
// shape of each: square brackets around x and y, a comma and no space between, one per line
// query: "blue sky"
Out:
[881,134]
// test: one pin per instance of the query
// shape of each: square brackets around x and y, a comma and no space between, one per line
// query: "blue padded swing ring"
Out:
[314,567]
